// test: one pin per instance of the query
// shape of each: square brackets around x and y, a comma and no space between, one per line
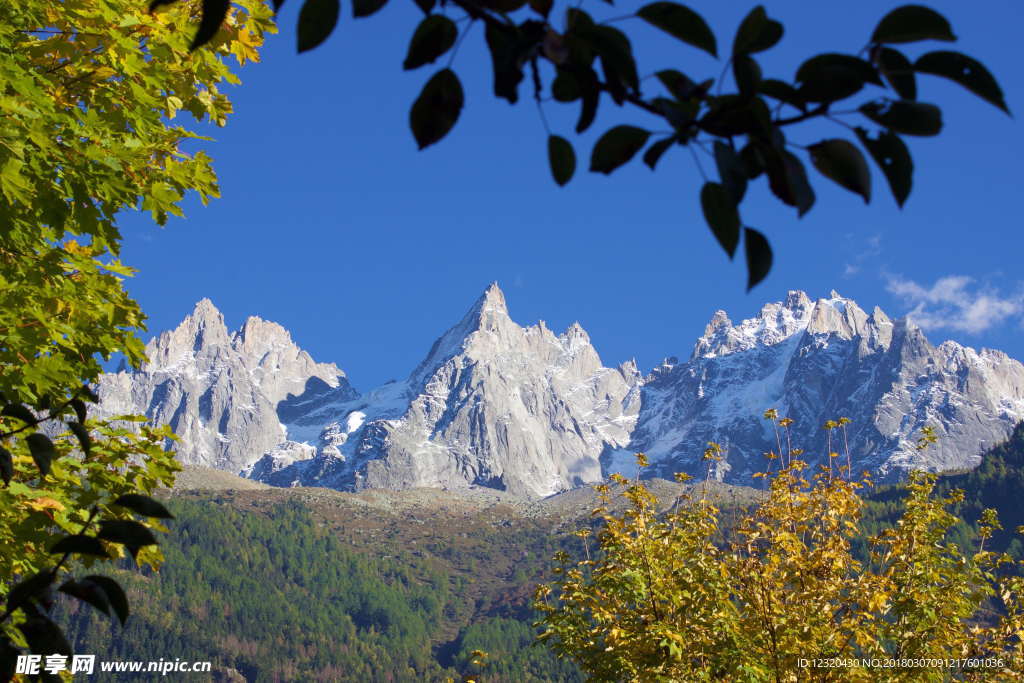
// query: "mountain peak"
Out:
[205,310]
[493,299]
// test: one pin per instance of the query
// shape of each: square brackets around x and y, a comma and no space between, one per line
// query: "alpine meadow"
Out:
[818,491]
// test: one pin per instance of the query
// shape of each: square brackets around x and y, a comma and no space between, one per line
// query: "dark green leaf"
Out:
[433,37]
[561,158]
[213,14]
[44,636]
[905,116]
[747,74]
[317,20]
[8,658]
[84,440]
[31,588]
[840,161]
[42,451]
[437,108]
[731,115]
[731,172]
[87,591]
[277,4]
[656,150]
[721,216]
[964,70]
[503,43]
[787,179]
[616,53]
[831,76]
[756,33]
[591,94]
[364,8]
[79,409]
[565,88]
[893,157]
[133,535]
[6,465]
[616,147]
[426,5]
[679,114]
[143,505]
[910,23]
[783,92]
[20,412]
[898,70]
[681,22]
[80,544]
[677,83]
[759,256]
[115,594]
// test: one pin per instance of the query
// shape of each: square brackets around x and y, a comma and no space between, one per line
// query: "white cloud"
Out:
[953,303]
[872,248]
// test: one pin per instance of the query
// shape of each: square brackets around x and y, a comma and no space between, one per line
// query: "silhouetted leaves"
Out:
[681,22]
[87,591]
[590,95]
[364,8]
[657,149]
[29,589]
[20,412]
[964,70]
[898,71]
[79,408]
[731,171]
[44,636]
[433,37]
[43,452]
[787,179]
[747,74]
[79,544]
[893,158]
[616,147]
[841,161]
[756,33]
[905,116]
[565,88]
[6,465]
[561,158]
[129,533]
[831,76]
[782,91]
[721,216]
[759,256]
[503,43]
[912,23]
[213,14]
[317,20]
[437,108]
[143,505]
[82,434]
[115,595]
[541,7]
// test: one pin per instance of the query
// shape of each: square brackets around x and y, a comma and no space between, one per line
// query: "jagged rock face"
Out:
[221,392]
[493,404]
[816,361]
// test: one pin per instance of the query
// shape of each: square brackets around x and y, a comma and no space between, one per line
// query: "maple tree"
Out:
[91,93]
[779,595]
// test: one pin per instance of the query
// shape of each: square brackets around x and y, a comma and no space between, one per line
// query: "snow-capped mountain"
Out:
[222,392]
[816,361]
[523,409]
[493,404]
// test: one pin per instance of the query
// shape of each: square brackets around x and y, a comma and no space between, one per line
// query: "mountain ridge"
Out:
[525,410]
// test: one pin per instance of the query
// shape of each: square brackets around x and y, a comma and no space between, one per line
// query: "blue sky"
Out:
[333,224]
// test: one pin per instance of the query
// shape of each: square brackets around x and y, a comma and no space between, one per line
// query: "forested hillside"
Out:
[268,585]
[310,584]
